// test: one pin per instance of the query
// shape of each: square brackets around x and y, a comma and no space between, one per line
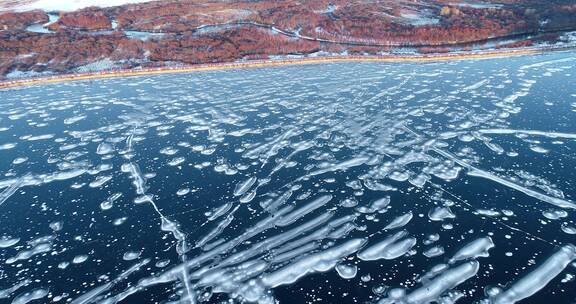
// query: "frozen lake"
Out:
[448,182]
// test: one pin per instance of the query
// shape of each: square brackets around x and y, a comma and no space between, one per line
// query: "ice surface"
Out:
[339,183]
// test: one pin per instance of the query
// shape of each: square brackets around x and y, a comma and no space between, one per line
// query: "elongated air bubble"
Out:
[244,186]
[318,262]
[539,277]
[302,211]
[378,250]
[448,280]
[475,249]
[400,221]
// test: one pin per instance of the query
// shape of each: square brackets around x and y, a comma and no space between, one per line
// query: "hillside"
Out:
[201,31]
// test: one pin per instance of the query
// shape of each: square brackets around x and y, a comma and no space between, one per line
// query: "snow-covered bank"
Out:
[267,63]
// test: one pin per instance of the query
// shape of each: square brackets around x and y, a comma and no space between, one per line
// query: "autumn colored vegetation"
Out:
[88,20]
[204,31]
[19,21]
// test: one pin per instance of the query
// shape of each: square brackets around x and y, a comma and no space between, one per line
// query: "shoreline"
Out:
[271,63]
